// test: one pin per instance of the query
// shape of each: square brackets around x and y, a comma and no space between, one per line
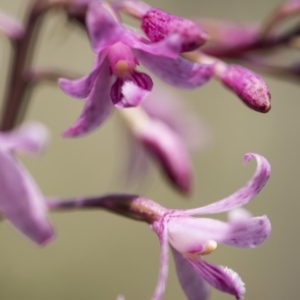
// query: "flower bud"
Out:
[158,24]
[247,85]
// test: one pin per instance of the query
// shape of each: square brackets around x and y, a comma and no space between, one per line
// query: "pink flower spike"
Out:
[158,24]
[21,201]
[247,85]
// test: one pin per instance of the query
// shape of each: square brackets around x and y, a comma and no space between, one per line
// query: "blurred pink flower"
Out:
[21,201]
[171,130]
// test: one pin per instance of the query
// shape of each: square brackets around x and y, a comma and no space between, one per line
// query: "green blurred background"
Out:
[97,255]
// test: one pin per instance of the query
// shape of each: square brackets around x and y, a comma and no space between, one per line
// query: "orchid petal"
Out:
[135,90]
[170,152]
[81,87]
[162,233]
[168,47]
[21,202]
[103,27]
[191,235]
[97,106]
[244,194]
[248,233]
[221,278]
[192,284]
[30,137]
[178,72]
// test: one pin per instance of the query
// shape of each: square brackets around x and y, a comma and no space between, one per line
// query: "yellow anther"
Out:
[122,68]
[210,247]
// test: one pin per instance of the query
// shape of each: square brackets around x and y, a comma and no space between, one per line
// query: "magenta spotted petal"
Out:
[130,92]
[221,278]
[190,235]
[21,201]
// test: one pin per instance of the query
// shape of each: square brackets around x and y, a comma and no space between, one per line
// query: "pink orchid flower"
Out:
[190,238]
[21,201]
[114,79]
[179,130]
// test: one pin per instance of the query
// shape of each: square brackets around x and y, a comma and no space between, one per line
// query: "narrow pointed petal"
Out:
[168,47]
[103,27]
[131,92]
[244,194]
[97,106]
[81,88]
[30,137]
[193,285]
[163,266]
[221,278]
[178,72]
[21,202]
[171,154]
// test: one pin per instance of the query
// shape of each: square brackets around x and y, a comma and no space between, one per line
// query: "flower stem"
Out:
[130,206]
[17,84]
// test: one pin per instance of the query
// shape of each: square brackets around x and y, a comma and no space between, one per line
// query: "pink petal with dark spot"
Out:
[221,278]
[130,92]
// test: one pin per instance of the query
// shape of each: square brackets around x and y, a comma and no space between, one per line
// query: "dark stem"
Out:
[130,206]
[15,96]
[258,44]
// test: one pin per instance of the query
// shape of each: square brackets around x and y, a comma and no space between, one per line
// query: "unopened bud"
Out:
[247,85]
[158,24]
